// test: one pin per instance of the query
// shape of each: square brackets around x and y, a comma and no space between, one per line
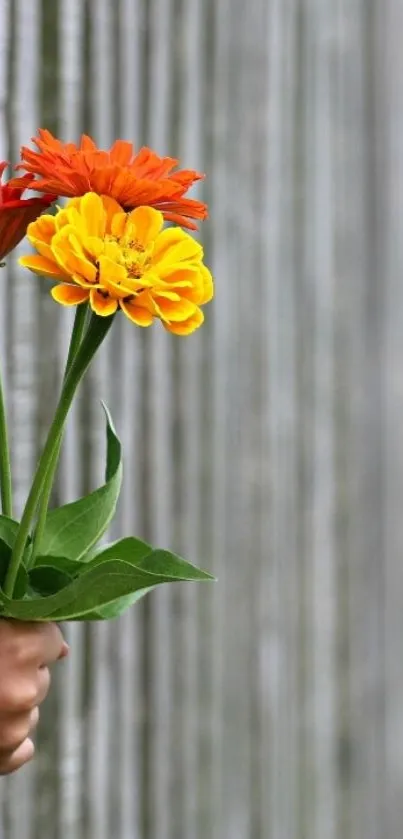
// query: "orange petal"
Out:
[186,327]
[137,314]
[41,265]
[69,295]
[101,303]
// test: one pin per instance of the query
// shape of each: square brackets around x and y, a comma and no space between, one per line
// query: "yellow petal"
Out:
[112,208]
[42,229]
[101,303]
[177,273]
[137,314]
[40,265]
[69,295]
[208,284]
[147,222]
[174,249]
[114,278]
[175,311]
[186,327]
[118,224]
[70,255]
[167,239]
[93,214]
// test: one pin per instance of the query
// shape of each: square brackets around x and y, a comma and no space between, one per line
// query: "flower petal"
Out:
[113,278]
[185,327]
[175,246]
[208,284]
[69,295]
[41,265]
[171,310]
[68,251]
[137,314]
[101,303]
[112,208]
[148,223]
[93,213]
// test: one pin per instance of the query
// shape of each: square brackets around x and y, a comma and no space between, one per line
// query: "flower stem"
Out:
[80,322]
[5,468]
[97,331]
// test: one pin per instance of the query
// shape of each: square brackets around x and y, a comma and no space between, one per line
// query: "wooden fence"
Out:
[268,448]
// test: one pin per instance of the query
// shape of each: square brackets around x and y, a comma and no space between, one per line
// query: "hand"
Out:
[26,651]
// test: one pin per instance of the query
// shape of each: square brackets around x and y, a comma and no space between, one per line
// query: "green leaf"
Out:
[48,579]
[5,554]
[72,530]
[154,560]
[21,583]
[116,607]
[8,530]
[70,567]
[100,584]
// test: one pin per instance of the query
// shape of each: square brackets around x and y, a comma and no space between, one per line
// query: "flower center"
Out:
[130,253]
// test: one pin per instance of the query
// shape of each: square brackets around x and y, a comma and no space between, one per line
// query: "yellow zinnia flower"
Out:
[115,259]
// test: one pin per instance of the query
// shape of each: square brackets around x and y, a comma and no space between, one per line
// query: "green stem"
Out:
[5,468]
[80,322]
[96,333]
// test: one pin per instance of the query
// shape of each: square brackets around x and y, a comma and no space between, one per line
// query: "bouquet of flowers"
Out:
[109,254]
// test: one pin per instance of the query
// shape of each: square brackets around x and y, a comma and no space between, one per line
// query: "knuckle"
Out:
[19,696]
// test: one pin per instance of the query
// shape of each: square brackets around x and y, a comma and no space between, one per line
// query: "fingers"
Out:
[21,755]
[26,653]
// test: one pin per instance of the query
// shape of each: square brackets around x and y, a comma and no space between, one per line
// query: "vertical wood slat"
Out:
[100,734]
[72,742]
[189,422]
[320,268]
[389,63]
[220,349]
[131,76]
[160,746]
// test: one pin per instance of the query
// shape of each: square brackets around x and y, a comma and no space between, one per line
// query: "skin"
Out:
[27,651]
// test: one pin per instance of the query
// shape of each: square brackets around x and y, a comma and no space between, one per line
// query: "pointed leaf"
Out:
[116,607]
[101,583]
[154,560]
[72,530]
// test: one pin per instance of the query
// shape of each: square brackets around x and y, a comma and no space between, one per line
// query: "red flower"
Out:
[132,179]
[16,213]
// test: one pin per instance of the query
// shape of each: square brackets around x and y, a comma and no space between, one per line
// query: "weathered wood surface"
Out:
[267,448]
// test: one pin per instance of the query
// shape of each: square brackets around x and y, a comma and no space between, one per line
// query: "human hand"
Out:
[26,651]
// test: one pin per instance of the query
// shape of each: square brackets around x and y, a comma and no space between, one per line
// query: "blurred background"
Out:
[268,448]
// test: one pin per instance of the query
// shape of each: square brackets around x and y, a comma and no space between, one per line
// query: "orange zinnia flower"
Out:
[133,180]
[16,213]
